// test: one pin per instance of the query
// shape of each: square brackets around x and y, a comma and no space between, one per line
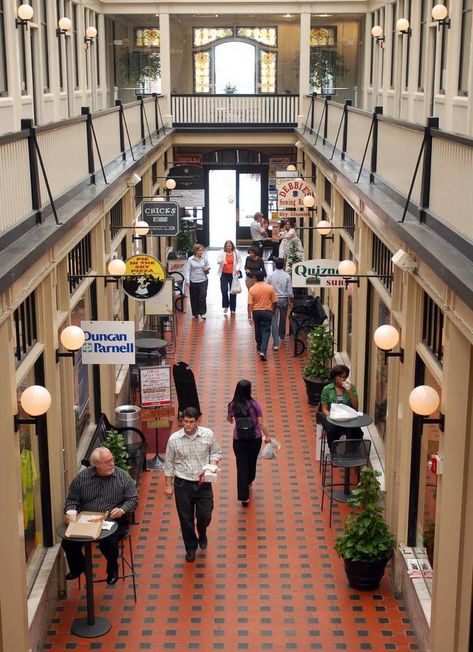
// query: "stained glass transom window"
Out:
[147,37]
[206,35]
[268,72]
[202,72]
[264,35]
[323,36]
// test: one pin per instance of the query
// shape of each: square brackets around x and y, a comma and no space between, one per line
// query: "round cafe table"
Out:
[91,626]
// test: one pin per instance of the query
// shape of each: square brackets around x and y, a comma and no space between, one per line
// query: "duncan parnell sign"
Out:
[317,273]
[108,342]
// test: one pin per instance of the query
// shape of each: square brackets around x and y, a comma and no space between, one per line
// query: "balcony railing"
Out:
[229,111]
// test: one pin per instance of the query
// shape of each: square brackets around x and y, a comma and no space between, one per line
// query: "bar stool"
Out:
[127,562]
[345,454]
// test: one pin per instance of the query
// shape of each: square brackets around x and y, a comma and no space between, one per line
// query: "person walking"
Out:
[262,302]
[101,487]
[195,275]
[258,234]
[281,282]
[188,450]
[229,266]
[246,413]
[253,263]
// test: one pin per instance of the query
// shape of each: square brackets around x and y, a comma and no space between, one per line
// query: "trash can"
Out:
[128,415]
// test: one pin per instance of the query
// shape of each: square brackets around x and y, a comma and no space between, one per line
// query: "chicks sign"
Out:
[291,192]
[144,276]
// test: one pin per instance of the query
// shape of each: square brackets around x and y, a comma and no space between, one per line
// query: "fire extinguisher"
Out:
[435,463]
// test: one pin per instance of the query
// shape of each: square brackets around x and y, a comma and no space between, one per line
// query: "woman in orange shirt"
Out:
[229,265]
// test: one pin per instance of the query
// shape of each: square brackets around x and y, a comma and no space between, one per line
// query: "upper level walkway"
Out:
[269,579]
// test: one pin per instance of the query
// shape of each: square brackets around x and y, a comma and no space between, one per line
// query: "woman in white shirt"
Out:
[287,235]
[196,278]
[229,265]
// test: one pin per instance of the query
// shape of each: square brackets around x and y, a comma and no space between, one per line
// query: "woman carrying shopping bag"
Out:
[229,267]
[246,413]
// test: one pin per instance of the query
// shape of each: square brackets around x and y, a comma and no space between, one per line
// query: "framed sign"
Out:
[320,273]
[155,386]
[144,276]
[162,217]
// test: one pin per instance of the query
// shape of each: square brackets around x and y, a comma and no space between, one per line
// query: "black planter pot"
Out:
[365,575]
[314,389]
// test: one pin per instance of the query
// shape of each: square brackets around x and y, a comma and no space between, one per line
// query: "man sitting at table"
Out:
[340,390]
[101,487]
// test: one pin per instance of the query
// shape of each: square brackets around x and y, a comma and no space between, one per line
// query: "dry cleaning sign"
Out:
[108,342]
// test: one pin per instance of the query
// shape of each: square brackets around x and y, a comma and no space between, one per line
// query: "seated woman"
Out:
[340,390]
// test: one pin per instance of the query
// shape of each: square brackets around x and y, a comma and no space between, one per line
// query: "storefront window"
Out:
[31,492]
[82,381]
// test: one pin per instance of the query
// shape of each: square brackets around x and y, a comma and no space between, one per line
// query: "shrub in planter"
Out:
[317,369]
[115,443]
[366,544]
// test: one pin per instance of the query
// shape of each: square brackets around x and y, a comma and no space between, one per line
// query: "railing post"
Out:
[345,129]
[312,106]
[378,110]
[142,119]
[327,100]
[122,132]
[34,174]
[432,123]
[85,110]
[156,123]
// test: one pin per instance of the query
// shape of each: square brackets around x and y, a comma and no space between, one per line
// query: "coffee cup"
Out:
[71,515]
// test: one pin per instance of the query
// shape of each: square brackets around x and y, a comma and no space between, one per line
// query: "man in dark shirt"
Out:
[102,487]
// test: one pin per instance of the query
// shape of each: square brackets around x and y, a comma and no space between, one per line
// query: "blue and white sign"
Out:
[108,342]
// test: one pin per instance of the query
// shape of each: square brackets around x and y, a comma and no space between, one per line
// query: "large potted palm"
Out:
[366,544]
[317,369]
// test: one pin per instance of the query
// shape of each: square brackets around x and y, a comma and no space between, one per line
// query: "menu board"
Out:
[155,384]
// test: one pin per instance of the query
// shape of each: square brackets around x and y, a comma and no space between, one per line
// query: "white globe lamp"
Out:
[35,400]
[424,400]
[347,268]
[72,338]
[386,337]
[324,227]
[116,267]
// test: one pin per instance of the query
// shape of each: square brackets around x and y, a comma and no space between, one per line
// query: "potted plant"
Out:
[115,443]
[230,89]
[184,239]
[366,544]
[317,369]
[140,66]
[326,64]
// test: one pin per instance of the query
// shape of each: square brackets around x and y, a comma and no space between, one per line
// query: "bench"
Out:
[303,318]
[135,444]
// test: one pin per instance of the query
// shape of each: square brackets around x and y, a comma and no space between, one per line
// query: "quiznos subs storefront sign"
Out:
[318,273]
[108,342]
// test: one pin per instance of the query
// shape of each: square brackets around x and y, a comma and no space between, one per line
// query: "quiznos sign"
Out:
[108,342]
[318,273]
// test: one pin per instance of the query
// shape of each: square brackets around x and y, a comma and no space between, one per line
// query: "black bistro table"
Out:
[93,625]
[357,422]
[150,347]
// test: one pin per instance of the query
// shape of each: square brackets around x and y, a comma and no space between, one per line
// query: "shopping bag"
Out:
[236,286]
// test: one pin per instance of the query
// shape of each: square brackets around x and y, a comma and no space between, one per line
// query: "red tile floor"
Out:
[269,579]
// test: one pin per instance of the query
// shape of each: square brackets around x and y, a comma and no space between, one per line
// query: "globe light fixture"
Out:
[324,227]
[35,401]
[24,15]
[64,26]
[90,34]
[440,13]
[308,201]
[116,267]
[141,228]
[291,168]
[403,27]
[72,338]
[347,268]
[424,400]
[170,184]
[386,337]
[377,31]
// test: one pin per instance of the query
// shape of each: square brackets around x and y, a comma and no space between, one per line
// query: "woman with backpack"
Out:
[246,413]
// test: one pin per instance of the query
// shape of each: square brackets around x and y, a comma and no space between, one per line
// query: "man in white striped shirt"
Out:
[187,451]
[101,487]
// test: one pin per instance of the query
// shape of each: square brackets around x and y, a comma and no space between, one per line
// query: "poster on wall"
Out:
[155,385]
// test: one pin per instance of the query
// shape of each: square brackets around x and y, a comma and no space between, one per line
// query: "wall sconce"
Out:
[377,33]
[170,184]
[424,400]
[134,180]
[24,14]
[64,26]
[72,338]
[347,269]
[35,401]
[440,13]
[403,27]
[309,201]
[386,337]
[291,168]
[90,35]
[141,230]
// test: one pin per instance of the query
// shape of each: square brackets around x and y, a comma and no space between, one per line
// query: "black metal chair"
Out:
[127,562]
[303,318]
[345,454]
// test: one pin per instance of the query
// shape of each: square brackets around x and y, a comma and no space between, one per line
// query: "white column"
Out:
[165,56]
[304,67]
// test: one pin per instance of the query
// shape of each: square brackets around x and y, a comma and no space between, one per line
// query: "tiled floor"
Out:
[269,579]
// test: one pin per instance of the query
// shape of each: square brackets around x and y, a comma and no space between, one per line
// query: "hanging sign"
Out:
[149,275]
[108,342]
[291,192]
[155,386]
[162,217]
[319,273]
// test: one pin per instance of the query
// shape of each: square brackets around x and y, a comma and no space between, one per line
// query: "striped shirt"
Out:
[185,456]
[92,492]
